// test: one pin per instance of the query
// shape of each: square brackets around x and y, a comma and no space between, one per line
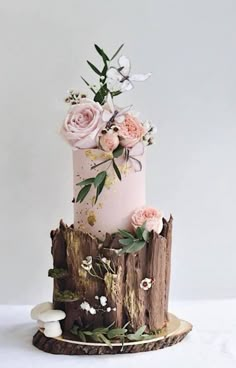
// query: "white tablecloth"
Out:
[211,344]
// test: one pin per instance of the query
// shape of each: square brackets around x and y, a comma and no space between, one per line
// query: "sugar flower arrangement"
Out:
[99,123]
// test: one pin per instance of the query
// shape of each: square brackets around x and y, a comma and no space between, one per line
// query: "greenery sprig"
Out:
[134,242]
[102,92]
[99,181]
[111,334]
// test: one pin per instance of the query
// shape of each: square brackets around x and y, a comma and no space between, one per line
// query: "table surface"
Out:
[212,343]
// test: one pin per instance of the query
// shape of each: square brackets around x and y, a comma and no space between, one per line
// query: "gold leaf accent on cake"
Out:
[124,169]
[98,156]
[91,218]
[110,180]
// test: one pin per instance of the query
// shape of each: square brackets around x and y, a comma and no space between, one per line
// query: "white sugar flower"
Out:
[146,283]
[119,79]
[103,301]
[87,263]
[85,306]
[108,309]
[92,310]
[96,297]
[114,309]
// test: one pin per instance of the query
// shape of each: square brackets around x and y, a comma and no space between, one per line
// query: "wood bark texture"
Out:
[122,288]
[55,346]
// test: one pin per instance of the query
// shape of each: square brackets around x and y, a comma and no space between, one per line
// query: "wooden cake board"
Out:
[173,333]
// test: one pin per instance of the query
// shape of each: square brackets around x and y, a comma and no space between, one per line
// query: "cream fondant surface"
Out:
[117,201]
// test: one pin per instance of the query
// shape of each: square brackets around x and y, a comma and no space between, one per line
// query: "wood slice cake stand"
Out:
[174,332]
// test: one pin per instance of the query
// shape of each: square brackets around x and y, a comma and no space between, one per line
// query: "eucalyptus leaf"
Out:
[125,234]
[117,171]
[99,189]
[139,233]
[134,247]
[81,336]
[94,68]
[127,241]
[118,151]
[116,93]
[86,182]
[116,332]
[105,340]
[83,193]
[101,94]
[99,178]
[88,333]
[87,83]
[146,235]
[137,335]
[101,53]
[117,51]
[101,330]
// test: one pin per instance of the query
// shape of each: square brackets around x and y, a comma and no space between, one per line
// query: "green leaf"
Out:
[118,151]
[116,332]
[126,241]
[104,71]
[99,330]
[99,178]
[87,333]
[81,336]
[125,234]
[101,94]
[87,83]
[117,171]
[134,247]
[139,233]
[82,194]
[95,69]
[116,93]
[104,339]
[99,189]
[138,334]
[117,51]
[101,53]
[86,182]
[146,235]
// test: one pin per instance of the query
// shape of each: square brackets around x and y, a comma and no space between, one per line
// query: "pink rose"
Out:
[151,217]
[108,140]
[131,131]
[82,124]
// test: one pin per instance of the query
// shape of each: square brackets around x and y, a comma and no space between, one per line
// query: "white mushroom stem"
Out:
[40,324]
[52,329]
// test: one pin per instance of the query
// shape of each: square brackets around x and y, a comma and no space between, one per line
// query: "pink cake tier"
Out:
[118,199]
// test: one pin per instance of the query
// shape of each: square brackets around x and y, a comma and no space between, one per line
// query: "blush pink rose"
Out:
[131,131]
[82,124]
[109,142]
[151,217]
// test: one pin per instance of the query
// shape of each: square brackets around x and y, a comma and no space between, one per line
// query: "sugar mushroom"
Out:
[51,318]
[40,308]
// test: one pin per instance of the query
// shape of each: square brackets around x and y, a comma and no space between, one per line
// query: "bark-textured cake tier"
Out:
[118,199]
[126,300]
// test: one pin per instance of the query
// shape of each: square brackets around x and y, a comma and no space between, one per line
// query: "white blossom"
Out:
[85,306]
[108,309]
[92,310]
[103,301]
[146,283]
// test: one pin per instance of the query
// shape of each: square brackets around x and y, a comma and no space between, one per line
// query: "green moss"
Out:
[57,273]
[66,296]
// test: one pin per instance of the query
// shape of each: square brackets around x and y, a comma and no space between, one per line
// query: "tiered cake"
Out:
[111,269]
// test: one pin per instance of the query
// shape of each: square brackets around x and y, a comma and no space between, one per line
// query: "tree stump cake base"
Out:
[175,332]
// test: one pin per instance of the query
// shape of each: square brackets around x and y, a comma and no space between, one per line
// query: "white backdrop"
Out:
[190,48]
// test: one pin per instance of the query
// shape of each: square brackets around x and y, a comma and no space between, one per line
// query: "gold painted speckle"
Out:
[91,218]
